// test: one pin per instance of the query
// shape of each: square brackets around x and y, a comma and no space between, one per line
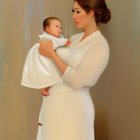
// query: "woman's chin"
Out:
[79,27]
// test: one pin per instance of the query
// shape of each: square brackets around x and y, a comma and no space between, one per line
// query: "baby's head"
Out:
[52,26]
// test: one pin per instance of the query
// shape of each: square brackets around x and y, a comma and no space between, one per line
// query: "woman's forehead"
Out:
[76,5]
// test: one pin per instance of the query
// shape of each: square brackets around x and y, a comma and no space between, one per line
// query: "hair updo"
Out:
[101,12]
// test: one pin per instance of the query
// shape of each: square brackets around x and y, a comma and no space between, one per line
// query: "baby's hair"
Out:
[47,21]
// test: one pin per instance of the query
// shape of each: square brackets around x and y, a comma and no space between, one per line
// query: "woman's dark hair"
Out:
[101,11]
[48,20]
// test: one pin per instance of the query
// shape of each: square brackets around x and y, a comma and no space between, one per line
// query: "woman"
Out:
[68,112]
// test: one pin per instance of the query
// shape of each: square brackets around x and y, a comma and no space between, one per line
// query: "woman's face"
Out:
[80,17]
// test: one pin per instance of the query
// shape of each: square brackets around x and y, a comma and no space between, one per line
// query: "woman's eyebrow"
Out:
[76,8]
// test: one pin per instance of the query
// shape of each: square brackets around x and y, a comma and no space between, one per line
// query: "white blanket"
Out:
[40,71]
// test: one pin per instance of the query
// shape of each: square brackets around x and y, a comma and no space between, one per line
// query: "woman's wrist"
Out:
[59,62]
[53,55]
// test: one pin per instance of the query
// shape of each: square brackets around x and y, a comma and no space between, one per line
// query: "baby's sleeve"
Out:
[43,38]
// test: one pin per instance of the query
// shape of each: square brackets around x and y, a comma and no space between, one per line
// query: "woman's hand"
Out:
[46,48]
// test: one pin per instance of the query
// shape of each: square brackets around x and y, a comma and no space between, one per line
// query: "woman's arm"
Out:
[46,49]
[59,62]
[88,71]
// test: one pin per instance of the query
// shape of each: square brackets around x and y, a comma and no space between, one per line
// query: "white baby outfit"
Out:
[40,71]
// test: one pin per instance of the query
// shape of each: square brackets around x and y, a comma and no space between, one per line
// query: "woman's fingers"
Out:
[42,47]
[46,48]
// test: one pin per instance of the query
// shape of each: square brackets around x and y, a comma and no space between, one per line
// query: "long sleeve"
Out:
[90,68]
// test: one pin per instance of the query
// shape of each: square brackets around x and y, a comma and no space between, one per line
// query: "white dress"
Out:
[68,112]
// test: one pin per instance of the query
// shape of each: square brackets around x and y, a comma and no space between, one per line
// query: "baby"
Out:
[40,72]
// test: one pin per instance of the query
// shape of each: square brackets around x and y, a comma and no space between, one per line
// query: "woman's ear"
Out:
[91,13]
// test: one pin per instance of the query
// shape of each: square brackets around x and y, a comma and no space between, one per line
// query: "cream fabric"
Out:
[40,71]
[68,112]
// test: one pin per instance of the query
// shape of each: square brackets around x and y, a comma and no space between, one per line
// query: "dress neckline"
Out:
[92,35]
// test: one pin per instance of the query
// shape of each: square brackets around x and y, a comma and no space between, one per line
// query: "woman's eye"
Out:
[77,12]
[73,10]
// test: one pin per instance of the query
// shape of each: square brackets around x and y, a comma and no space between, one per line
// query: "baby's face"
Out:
[54,28]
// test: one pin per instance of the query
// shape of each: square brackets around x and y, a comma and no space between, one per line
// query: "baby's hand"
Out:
[44,91]
[68,43]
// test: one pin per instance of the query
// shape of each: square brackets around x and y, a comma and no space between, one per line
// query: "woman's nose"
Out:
[74,15]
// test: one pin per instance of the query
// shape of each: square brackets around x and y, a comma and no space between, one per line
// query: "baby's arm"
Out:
[68,43]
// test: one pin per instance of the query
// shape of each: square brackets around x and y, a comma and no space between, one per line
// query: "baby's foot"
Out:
[44,91]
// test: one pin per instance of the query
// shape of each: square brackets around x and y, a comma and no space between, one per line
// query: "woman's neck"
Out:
[91,28]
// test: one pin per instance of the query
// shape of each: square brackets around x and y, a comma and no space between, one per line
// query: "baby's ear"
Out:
[47,29]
